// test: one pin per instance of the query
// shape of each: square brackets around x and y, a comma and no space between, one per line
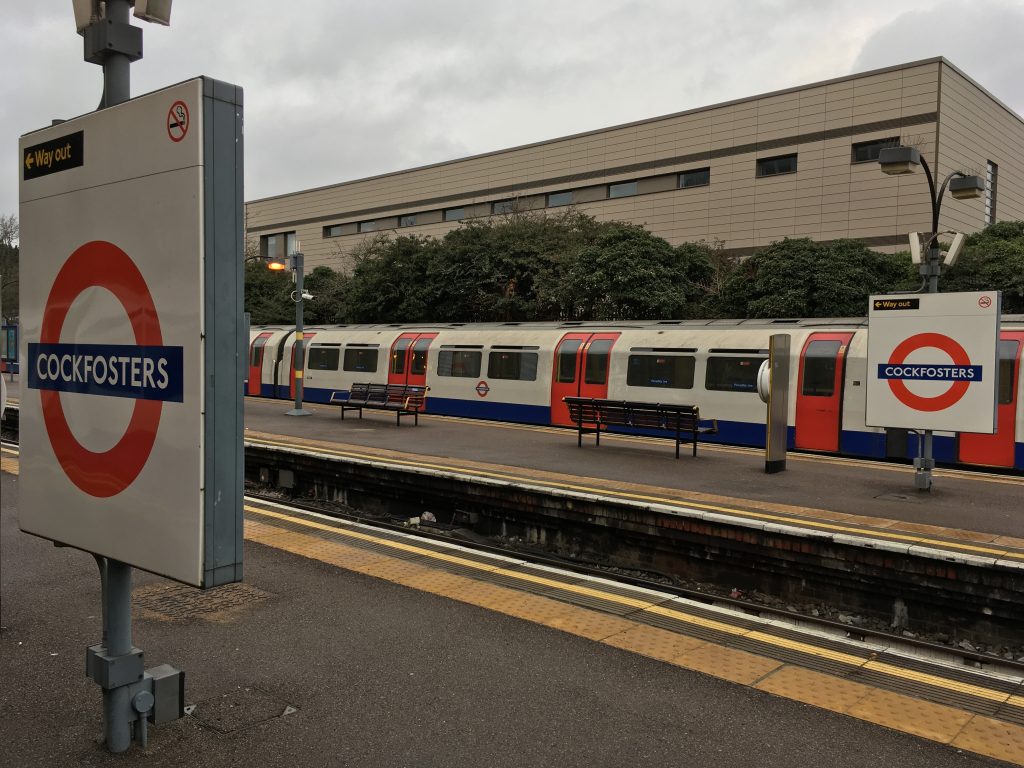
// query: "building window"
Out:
[732,374]
[367,226]
[666,371]
[461,363]
[323,358]
[867,151]
[408,220]
[277,246]
[625,189]
[700,177]
[559,198]
[503,207]
[454,214]
[332,231]
[512,364]
[361,359]
[991,183]
[774,166]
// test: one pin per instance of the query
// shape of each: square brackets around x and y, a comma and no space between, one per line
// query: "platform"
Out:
[977,508]
[346,646]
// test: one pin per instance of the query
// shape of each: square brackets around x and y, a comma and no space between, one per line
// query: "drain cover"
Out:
[240,709]
[177,602]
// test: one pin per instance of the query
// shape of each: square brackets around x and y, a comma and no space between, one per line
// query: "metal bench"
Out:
[683,422]
[403,399]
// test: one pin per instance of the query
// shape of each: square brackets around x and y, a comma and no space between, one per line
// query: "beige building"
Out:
[794,163]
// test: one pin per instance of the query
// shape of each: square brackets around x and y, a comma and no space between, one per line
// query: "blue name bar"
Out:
[111,370]
[918,372]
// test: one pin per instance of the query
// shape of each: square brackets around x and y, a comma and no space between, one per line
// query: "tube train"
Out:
[521,371]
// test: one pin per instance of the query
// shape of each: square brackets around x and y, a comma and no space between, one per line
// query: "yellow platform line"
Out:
[913,539]
[949,725]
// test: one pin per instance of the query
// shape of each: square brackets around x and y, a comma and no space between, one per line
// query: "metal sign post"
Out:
[131,296]
[773,387]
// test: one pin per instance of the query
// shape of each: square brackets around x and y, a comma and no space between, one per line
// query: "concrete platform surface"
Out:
[308,664]
[960,500]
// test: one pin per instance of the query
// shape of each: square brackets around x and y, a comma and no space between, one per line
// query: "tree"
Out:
[993,259]
[627,273]
[268,295]
[388,282]
[802,278]
[9,253]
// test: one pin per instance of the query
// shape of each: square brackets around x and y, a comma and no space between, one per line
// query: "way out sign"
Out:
[933,361]
[132,333]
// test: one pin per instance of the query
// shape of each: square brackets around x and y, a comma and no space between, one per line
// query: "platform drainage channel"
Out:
[177,602]
[240,709]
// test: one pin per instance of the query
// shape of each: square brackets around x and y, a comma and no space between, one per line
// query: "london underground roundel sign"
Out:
[932,361]
[147,372]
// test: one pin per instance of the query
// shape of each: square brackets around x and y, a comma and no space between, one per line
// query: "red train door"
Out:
[997,450]
[409,357]
[306,338]
[819,393]
[580,370]
[256,362]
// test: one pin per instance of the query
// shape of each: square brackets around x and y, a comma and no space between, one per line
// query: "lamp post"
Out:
[897,161]
[295,263]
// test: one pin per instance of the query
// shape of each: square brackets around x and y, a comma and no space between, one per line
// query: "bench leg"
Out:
[597,432]
[398,418]
[695,442]
[579,436]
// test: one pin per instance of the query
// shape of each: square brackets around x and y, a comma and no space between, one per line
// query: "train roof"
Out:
[751,324]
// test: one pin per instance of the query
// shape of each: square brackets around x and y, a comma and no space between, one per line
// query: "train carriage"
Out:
[521,371]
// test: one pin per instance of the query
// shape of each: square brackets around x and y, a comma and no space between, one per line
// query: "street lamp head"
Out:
[899,160]
[966,187]
[277,264]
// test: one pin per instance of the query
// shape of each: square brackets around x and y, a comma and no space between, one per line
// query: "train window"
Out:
[418,366]
[732,374]
[567,360]
[398,356]
[666,371]
[323,358]
[596,371]
[461,363]
[507,364]
[1007,358]
[257,352]
[361,359]
[820,368]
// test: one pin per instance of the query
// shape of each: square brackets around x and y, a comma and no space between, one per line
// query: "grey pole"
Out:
[298,350]
[116,576]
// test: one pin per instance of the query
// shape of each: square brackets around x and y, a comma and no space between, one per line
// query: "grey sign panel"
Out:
[131,296]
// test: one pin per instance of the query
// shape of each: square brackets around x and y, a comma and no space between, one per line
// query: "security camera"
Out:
[308,296]
[950,257]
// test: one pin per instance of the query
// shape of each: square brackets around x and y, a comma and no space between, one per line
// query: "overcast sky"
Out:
[338,90]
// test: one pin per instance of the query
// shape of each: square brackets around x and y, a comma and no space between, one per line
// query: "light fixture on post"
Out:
[897,161]
[295,262]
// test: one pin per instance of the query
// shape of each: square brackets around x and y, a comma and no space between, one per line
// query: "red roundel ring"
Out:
[103,265]
[937,341]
